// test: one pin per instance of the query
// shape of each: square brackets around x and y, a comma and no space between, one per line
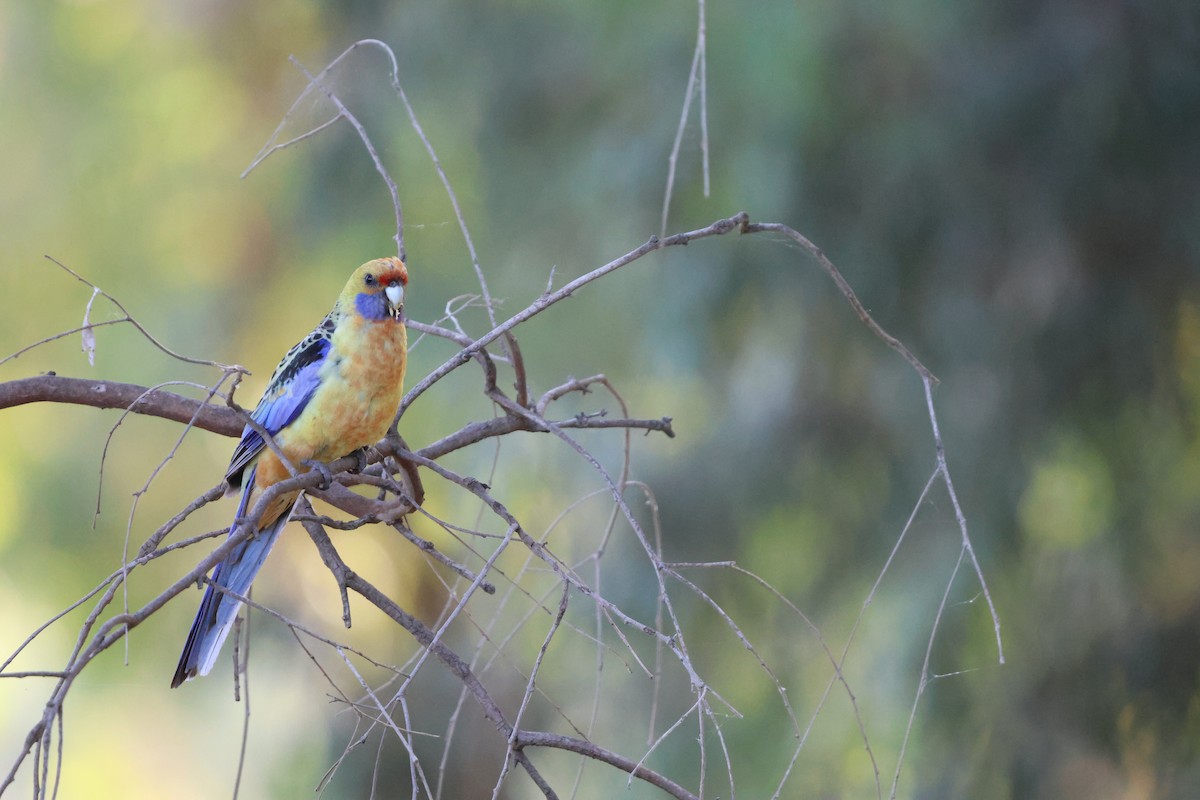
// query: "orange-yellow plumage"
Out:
[361,384]
[333,393]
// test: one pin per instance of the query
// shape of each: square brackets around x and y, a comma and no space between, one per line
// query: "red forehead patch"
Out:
[397,271]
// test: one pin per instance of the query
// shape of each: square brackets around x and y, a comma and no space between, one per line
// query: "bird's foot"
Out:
[323,468]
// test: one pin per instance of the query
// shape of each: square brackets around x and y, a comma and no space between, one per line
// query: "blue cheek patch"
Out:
[371,306]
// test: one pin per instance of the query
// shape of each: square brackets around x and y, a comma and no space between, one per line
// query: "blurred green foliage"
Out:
[1013,189]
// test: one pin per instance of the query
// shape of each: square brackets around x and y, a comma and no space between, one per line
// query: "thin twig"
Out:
[718,228]
[923,680]
[346,114]
[697,82]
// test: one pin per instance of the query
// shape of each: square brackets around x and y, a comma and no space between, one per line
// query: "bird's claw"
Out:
[360,457]
[323,468]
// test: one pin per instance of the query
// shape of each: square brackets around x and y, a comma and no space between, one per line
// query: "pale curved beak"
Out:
[395,296]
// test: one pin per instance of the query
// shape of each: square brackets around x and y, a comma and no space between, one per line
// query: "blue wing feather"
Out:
[292,385]
[289,391]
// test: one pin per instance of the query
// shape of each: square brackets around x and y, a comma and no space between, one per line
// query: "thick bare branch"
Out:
[220,418]
[53,388]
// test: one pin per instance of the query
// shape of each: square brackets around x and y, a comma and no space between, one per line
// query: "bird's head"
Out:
[376,289]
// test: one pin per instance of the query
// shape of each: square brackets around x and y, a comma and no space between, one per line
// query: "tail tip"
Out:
[182,674]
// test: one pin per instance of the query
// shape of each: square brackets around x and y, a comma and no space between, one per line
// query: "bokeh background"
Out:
[1013,189]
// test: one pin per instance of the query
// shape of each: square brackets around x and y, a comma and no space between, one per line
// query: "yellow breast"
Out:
[362,383]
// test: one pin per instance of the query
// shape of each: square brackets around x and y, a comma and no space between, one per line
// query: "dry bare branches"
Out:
[533,576]
[96,636]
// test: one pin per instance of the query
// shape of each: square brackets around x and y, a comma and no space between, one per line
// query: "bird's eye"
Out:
[370,280]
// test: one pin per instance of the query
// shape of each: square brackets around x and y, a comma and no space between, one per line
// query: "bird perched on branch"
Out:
[332,394]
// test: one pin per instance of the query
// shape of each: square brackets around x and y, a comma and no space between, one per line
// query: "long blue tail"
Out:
[218,610]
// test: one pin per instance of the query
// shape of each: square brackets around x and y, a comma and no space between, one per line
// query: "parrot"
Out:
[333,394]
